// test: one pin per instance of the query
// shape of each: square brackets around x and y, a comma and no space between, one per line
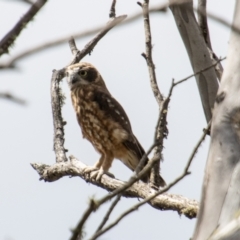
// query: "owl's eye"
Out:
[83,73]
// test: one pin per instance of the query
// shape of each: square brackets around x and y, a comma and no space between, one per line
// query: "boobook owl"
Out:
[103,121]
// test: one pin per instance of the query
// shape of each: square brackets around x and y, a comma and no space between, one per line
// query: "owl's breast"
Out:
[96,124]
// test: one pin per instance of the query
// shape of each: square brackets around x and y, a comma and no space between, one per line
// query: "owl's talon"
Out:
[89,169]
[97,173]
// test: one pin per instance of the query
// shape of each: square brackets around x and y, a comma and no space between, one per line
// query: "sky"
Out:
[33,209]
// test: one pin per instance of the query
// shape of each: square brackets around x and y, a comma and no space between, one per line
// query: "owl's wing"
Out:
[114,110]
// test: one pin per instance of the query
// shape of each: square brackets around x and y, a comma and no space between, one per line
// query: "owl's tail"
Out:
[135,154]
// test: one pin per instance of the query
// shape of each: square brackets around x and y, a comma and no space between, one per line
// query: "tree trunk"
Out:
[220,193]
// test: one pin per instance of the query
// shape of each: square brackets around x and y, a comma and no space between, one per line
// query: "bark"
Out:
[220,194]
[198,53]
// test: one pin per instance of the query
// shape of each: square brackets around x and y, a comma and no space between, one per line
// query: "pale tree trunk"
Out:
[198,53]
[220,200]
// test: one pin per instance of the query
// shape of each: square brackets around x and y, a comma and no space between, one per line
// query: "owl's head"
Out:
[83,74]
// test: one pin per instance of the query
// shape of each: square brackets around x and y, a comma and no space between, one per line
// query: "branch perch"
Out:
[75,168]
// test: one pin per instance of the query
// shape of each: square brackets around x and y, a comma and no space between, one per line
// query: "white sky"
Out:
[32,209]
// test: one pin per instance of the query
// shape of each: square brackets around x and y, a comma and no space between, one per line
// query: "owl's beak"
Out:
[71,80]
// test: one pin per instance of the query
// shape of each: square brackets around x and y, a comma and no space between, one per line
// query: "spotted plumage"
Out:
[103,121]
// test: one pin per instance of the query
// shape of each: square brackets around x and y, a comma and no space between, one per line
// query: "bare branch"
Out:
[89,47]
[155,180]
[58,123]
[75,168]
[9,96]
[106,217]
[112,13]
[73,46]
[148,54]
[77,232]
[11,36]
[222,21]
[195,74]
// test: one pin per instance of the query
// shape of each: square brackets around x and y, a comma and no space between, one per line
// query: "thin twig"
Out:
[135,207]
[77,232]
[148,55]
[9,96]
[194,74]
[89,47]
[73,46]
[106,217]
[12,35]
[112,13]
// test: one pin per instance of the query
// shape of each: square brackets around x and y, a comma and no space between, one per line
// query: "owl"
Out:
[103,121]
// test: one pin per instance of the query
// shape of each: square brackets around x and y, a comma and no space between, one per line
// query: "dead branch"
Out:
[12,35]
[155,179]
[74,168]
